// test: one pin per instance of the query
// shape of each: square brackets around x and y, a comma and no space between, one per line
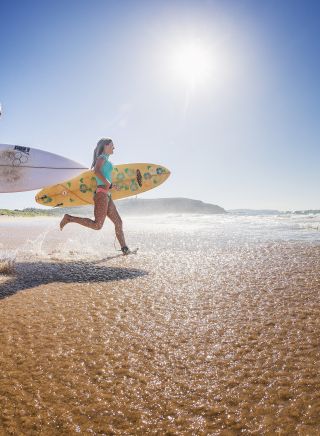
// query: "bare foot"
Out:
[64,221]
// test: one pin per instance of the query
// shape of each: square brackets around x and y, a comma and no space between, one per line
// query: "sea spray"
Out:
[84,244]
[35,247]
[7,262]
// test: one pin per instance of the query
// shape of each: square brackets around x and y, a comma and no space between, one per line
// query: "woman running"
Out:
[103,203]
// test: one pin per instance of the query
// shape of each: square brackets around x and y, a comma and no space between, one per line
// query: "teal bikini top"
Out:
[106,169]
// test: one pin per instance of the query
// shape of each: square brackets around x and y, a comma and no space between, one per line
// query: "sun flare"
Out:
[192,63]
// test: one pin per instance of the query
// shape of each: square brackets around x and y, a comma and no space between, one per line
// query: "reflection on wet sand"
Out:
[176,340]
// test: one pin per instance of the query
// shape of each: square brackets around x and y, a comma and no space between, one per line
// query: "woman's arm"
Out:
[98,173]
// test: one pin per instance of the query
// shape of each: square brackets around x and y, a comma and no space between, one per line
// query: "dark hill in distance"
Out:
[141,206]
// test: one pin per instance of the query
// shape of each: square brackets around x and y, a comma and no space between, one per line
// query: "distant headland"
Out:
[167,205]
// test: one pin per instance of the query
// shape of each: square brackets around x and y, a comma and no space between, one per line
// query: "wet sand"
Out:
[184,338]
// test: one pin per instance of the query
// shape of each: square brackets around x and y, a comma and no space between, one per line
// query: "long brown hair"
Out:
[99,149]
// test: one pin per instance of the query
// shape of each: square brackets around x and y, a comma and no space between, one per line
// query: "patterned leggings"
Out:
[103,207]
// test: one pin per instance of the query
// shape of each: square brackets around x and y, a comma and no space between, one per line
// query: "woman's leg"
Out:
[114,216]
[100,213]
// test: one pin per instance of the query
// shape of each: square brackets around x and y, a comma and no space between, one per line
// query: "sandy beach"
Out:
[206,331]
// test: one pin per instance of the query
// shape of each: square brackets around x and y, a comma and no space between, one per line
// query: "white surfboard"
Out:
[25,168]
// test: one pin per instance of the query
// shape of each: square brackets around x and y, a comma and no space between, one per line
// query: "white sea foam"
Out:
[235,227]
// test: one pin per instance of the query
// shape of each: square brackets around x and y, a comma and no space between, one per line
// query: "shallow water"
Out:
[212,328]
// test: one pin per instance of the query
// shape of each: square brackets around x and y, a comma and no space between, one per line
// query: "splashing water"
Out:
[7,262]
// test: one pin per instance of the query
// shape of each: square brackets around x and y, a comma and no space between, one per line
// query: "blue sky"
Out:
[247,136]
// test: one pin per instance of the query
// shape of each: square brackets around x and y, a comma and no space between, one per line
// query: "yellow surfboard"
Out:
[127,180]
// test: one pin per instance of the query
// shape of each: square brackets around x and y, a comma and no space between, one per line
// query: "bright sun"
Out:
[192,63]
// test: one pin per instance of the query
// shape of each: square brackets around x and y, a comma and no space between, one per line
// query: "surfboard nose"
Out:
[166,172]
